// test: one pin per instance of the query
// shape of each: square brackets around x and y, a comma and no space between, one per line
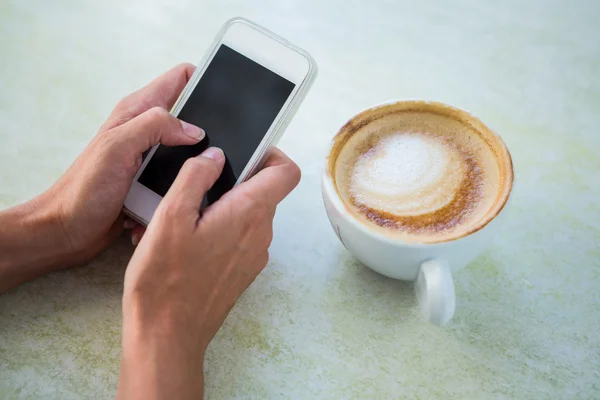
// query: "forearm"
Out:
[160,359]
[32,243]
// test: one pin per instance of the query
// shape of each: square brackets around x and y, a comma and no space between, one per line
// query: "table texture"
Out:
[316,324]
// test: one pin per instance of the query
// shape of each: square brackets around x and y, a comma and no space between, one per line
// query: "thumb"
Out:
[195,178]
[156,126]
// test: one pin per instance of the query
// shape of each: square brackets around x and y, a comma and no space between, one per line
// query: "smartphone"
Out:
[243,94]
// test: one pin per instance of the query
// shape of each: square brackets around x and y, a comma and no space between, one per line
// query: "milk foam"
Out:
[407,174]
[420,171]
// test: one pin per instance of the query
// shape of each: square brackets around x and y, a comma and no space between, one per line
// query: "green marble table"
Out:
[316,324]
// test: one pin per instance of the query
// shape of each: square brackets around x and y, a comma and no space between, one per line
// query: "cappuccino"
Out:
[420,171]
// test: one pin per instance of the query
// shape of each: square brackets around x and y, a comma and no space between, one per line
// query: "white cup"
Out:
[429,265]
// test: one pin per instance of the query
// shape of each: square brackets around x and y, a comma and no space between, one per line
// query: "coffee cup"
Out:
[415,190]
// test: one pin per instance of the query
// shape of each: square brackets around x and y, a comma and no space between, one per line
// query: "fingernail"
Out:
[129,224]
[192,130]
[135,239]
[213,153]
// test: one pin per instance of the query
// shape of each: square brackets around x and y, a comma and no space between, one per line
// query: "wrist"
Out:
[158,322]
[32,243]
[161,358]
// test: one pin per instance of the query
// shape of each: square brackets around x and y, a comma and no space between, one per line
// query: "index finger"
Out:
[279,176]
[161,92]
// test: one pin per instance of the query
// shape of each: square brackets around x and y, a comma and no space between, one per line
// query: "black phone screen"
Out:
[235,101]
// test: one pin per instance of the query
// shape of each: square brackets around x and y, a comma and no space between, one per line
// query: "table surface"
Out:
[316,323]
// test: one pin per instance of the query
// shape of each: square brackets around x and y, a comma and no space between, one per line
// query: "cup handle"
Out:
[434,289]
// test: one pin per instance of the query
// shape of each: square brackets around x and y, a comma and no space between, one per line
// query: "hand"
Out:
[90,195]
[189,269]
[81,213]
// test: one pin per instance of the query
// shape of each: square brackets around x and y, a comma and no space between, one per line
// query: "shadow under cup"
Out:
[428,257]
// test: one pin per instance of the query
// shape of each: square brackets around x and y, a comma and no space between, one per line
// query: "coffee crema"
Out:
[421,171]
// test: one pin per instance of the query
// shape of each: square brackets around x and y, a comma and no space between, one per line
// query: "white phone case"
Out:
[283,120]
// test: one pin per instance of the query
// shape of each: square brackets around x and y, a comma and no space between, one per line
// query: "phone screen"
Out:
[235,101]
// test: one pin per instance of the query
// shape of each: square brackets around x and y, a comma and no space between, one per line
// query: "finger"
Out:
[279,176]
[195,178]
[153,127]
[136,234]
[129,223]
[161,92]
